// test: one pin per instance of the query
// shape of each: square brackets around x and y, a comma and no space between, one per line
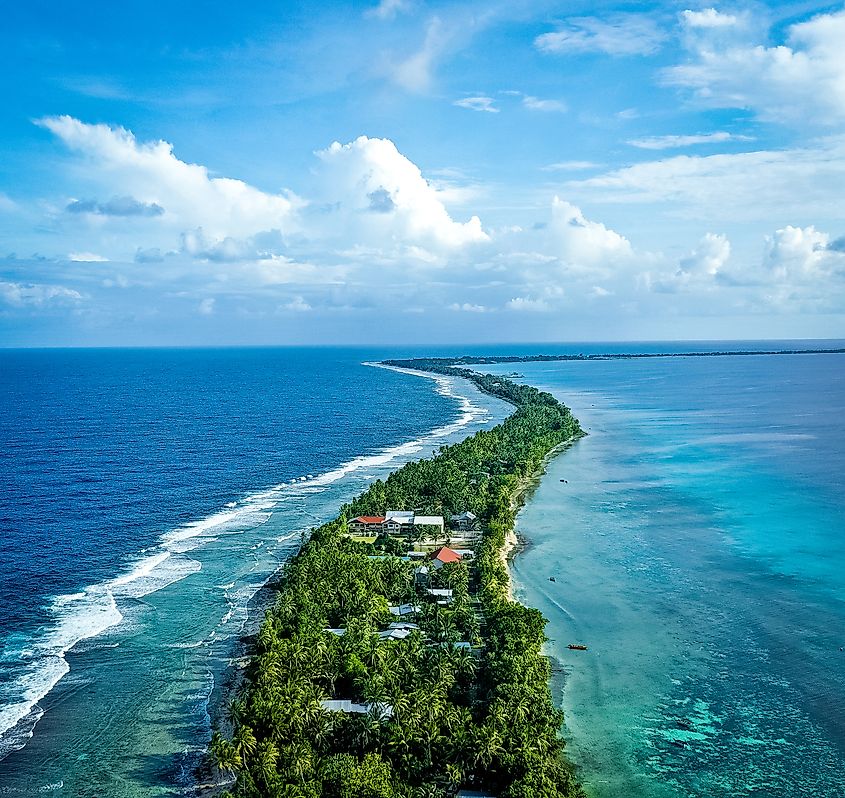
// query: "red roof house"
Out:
[365,524]
[444,555]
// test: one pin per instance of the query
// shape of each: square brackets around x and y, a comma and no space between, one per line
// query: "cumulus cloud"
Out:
[477,103]
[87,257]
[708,257]
[708,18]
[802,254]
[365,169]
[116,206]
[581,242]
[467,307]
[154,176]
[699,269]
[298,305]
[227,249]
[39,295]
[672,142]
[799,81]
[620,35]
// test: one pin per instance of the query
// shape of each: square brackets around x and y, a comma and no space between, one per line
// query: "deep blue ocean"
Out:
[147,496]
[698,546]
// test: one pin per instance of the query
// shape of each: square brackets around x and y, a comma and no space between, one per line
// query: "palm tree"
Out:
[300,760]
[225,754]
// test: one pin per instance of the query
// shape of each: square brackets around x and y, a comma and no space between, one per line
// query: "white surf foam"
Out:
[40,664]
[90,612]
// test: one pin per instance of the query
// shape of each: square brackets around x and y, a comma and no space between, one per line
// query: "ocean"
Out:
[697,546]
[147,496]
[696,538]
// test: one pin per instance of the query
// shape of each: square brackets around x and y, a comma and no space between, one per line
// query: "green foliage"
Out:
[441,716]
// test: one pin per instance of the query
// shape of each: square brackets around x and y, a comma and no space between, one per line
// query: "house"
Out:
[366,525]
[336,632]
[463,521]
[466,554]
[440,592]
[403,625]
[394,634]
[398,522]
[426,524]
[443,556]
[402,609]
[351,707]
[421,574]
[474,794]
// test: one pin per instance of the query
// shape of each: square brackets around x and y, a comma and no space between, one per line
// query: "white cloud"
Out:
[356,171]
[570,166]
[581,242]
[621,35]
[298,305]
[153,175]
[206,307]
[671,142]
[34,294]
[748,185]
[7,203]
[116,206]
[388,9]
[709,257]
[528,304]
[798,255]
[467,307]
[801,81]
[708,18]
[227,249]
[87,257]
[478,103]
[415,73]
[536,104]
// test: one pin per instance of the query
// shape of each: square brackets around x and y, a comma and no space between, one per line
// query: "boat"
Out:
[576,647]
[552,579]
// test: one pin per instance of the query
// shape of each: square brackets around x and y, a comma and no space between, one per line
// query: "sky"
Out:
[401,171]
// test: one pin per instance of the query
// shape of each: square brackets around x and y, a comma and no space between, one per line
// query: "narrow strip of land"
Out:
[446,365]
[394,663]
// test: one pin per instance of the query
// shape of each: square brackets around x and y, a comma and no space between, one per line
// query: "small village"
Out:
[438,555]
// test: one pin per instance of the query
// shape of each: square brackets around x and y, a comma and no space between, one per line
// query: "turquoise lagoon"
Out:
[698,548]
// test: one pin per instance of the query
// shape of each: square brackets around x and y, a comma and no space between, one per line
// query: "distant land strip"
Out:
[436,364]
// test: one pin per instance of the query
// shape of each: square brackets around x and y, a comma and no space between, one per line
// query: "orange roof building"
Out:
[444,555]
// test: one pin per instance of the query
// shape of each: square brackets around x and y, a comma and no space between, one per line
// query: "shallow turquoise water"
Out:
[698,548]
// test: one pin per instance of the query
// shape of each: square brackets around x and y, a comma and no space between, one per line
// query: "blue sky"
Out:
[405,171]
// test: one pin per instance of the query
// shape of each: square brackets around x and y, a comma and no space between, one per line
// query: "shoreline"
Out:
[507,694]
[516,543]
[235,676]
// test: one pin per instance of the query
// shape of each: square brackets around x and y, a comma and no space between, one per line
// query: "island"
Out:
[394,662]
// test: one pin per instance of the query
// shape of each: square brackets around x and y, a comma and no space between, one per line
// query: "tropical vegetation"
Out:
[462,700]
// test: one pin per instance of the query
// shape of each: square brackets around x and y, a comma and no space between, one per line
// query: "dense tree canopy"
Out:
[462,700]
